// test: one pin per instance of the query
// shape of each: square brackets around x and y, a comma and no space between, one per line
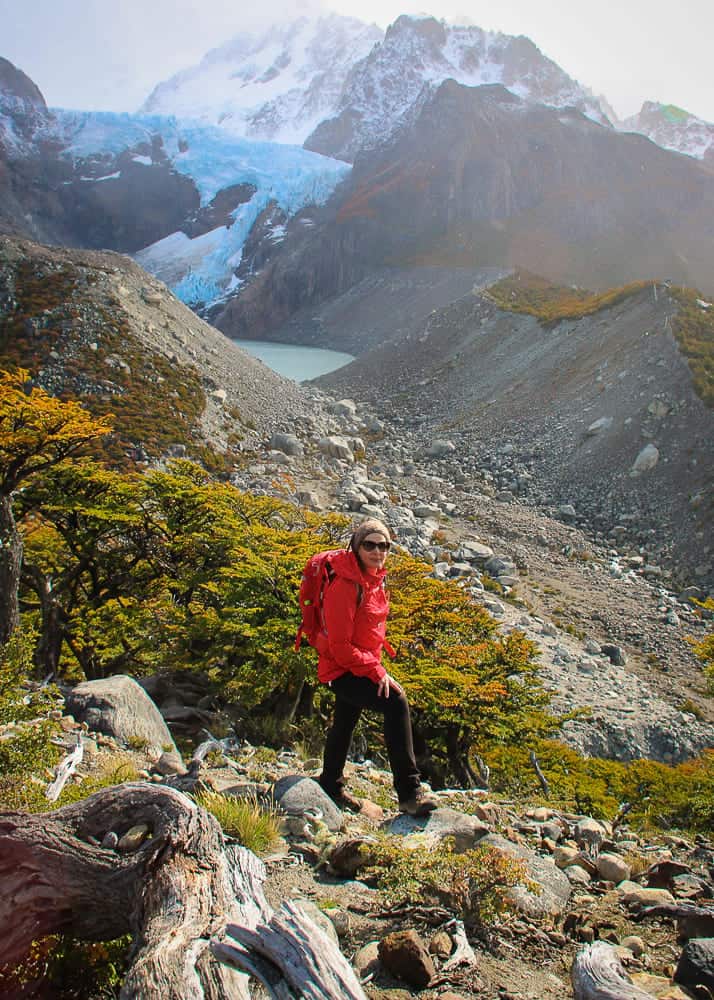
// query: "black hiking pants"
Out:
[352,694]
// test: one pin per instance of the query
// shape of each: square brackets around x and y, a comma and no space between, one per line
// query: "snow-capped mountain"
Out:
[673,128]
[416,56]
[354,79]
[275,85]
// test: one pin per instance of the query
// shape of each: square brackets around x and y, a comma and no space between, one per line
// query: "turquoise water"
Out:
[295,362]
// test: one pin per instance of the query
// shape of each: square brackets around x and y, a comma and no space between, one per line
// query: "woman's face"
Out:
[373,555]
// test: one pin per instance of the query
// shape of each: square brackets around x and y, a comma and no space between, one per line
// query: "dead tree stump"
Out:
[175,893]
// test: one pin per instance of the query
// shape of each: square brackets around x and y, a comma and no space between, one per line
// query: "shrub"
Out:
[661,796]
[473,885]
[27,751]
[524,292]
[62,966]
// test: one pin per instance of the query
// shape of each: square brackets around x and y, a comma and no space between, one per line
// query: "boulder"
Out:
[297,795]
[597,426]
[613,868]
[646,460]
[404,954]
[439,448]
[466,831]
[336,447]
[119,707]
[554,885]
[289,444]
[696,964]
[366,961]
[633,894]
[426,510]
[343,408]
[471,551]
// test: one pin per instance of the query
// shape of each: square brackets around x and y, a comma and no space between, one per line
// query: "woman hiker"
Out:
[355,606]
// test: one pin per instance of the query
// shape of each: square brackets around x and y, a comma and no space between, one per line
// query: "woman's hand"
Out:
[387,684]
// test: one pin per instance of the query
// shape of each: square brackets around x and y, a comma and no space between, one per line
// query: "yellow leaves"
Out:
[37,430]
[524,292]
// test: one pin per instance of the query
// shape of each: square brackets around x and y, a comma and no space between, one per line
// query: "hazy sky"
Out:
[108,54]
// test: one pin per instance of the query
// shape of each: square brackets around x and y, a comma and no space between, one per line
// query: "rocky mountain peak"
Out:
[673,128]
[419,53]
[16,85]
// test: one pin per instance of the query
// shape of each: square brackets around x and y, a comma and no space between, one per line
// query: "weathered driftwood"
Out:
[175,894]
[463,953]
[597,974]
[67,767]
[311,964]
[539,774]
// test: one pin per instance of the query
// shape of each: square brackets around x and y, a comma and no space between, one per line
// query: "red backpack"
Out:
[315,578]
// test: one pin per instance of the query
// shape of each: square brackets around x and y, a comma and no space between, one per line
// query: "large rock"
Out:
[336,447]
[440,448]
[554,885]
[289,444]
[119,707]
[404,954]
[442,824]
[613,868]
[696,964]
[646,460]
[296,795]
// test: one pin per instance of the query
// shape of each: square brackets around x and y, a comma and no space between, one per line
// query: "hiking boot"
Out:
[344,800]
[419,803]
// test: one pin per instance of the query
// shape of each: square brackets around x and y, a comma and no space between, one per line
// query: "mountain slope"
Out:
[481,178]
[559,413]
[95,326]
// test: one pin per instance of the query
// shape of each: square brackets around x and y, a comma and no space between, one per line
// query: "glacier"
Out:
[200,271]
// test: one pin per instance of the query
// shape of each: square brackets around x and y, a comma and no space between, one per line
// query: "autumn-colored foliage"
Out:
[528,293]
[37,430]
[37,433]
[694,330]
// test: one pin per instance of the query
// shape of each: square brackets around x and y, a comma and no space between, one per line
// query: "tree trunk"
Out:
[458,753]
[597,974]
[174,893]
[10,564]
[49,645]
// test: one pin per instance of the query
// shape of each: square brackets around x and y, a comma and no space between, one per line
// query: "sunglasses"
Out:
[371,546]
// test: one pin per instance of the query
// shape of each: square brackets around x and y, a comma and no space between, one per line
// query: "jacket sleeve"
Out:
[339,606]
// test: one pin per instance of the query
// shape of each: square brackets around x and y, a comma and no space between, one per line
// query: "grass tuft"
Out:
[254,826]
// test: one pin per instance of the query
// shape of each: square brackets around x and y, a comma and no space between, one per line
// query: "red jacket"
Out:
[355,634]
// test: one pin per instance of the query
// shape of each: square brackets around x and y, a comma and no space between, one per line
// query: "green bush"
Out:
[62,966]
[26,749]
[661,796]
[473,885]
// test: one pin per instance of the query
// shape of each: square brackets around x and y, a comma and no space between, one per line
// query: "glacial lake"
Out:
[293,361]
